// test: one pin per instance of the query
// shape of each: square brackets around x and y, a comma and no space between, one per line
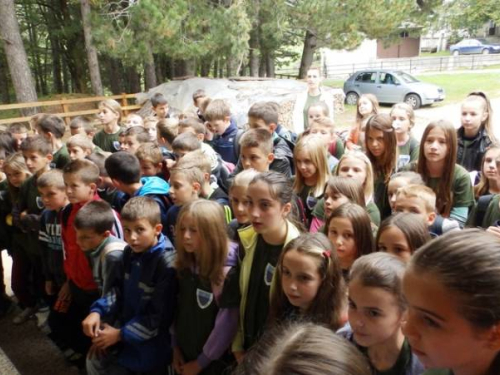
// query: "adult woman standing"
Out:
[313,95]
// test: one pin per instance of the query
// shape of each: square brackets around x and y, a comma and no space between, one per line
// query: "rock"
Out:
[240,94]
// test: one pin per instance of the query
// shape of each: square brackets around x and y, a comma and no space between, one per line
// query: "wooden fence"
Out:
[65,111]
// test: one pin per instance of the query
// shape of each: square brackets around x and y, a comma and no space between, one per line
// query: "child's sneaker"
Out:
[42,315]
[24,315]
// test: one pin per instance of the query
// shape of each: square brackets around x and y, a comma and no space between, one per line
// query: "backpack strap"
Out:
[113,246]
[482,206]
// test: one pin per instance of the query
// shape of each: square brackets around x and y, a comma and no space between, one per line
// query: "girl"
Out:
[376,313]
[402,234]
[436,165]
[269,204]
[475,134]
[309,282]
[399,180]
[403,120]
[238,199]
[22,266]
[349,229]
[367,106]
[110,113]
[306,349]
[452,286]
[338,191]
[207,310]
[489,182]
[382,150]
[357,166]
[311,166]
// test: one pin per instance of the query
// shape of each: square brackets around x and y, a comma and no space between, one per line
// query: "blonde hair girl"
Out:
[403,120]
[205,263]
[311,172]
[475,134]
[356,165]
[309,283]
[110,113]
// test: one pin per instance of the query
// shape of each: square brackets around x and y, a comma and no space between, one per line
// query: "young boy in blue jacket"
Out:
[144,303]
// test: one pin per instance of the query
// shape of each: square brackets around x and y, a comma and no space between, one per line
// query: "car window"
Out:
[475,43]
[387,78]
[367,77]
[407,78]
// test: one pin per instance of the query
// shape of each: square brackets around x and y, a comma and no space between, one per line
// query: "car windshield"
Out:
[407,78]
[482,41]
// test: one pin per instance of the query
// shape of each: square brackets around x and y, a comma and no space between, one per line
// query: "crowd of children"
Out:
[186,243]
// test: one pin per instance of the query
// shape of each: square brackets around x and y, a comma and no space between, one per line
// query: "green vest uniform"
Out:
[108,142]
[60,158]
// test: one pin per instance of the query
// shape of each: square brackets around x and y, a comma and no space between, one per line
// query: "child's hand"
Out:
[494,230]
[49,288]
[170,163]
[91,324]
[191,368]
[95,352]
[239,356]
[65,293]
[178,360]
[106,337]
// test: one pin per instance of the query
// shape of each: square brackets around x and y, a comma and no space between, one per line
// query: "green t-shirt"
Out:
[310,100]
[408,152]
[402,363]
[60,158]
[108,142]
[463,193]
[491,215]
[373,212]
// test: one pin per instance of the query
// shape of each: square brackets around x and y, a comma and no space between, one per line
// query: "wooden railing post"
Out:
[65,108]
[124,103]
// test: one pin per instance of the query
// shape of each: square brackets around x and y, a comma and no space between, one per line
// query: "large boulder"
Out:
[240,94]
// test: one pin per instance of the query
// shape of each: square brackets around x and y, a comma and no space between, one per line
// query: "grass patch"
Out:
[436,54]
[458,85]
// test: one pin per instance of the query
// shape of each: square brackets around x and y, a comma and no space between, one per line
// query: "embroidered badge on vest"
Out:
[204,298]
[116,145]
[39,203]
[268,274]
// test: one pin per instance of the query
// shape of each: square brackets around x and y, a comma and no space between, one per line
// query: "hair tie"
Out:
[327,254]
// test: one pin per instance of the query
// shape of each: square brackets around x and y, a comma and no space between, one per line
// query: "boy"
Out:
[79,147]
[150,159]
[105,189]
[218,115]
[124,170]
[144,304]
[198,97]
[421,200]
[53,195]
[19,132]
[82,125]
[271,111]
[80,178]
[37,153]
[209,188]
[265,116]
[325,128]
[52,128]
[184,143]
[160,106]
[186,183]
[133,138]
[93,224]
[150,127]
[256,150]
[132,120]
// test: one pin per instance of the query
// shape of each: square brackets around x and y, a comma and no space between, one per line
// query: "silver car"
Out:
[391,86]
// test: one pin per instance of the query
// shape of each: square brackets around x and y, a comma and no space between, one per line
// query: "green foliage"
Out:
[471,15]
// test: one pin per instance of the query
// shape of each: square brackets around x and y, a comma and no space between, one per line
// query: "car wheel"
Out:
[485,51]
[351,98]
[413,100]
[456,53]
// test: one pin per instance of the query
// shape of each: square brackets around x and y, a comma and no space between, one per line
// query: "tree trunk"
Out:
[254,54]
[115,73]
[4,80]
[95,75]
[270,64]
[310,46]
[149,68]
[133,80]
[159,68]
[262,65]
[17,60]
[230,66]
[205,63]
